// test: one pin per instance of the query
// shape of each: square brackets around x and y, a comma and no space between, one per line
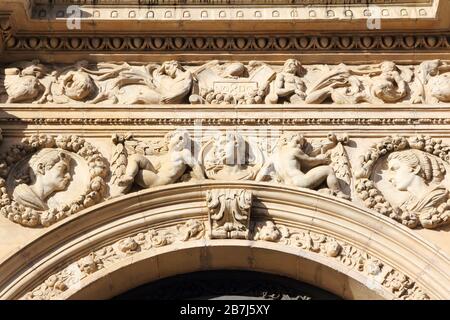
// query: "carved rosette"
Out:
[94,192]
[429,213]
[229,213]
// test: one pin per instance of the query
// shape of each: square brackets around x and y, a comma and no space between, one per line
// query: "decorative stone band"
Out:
[397,283]
[243,43]
[432,208]
[32,211]
[211,121]
[226,83]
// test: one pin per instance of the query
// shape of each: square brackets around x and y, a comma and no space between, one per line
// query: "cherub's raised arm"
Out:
[319,159]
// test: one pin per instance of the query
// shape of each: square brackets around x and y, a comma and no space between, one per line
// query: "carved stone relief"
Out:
[229,213]
[318,164]
[228,156]
[45,178]
[309,165]
[113,253]
[226,83]
[396,282]
[152,164]
[412,172]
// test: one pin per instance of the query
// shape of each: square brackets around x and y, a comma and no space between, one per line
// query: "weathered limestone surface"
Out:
[179,146]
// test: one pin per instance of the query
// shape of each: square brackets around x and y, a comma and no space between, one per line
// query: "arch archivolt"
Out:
[117,245]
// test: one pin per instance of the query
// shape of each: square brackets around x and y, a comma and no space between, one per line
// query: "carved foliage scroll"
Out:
[399,284]
[229,213]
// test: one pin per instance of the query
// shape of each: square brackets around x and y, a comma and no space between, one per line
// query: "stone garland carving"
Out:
[39,167]
[417,166]
[229,213]
[319,164]
[111,254]
[394,281]
[226,83]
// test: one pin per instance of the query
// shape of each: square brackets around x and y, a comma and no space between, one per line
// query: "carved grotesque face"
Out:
[440,88]
[401,175]
[226,148]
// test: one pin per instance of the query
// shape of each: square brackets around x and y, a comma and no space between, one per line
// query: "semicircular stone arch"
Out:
[118,245]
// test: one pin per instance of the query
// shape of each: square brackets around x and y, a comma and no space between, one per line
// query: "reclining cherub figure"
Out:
[171,167]
[290,164]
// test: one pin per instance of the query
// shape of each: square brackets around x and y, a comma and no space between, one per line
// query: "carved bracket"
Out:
[229,213]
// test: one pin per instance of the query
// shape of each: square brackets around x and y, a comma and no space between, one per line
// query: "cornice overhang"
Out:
[236,16]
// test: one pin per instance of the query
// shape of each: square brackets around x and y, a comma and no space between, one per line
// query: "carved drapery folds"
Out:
[46,178]
[414,170]
[226,83]
[229,213]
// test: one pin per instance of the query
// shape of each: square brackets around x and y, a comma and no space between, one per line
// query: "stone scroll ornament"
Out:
[229,213]
[225,83]
[417,167]
[33,172]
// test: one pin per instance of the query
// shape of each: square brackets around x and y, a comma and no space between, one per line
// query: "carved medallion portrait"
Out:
[228,156]
[45,179]
[407,180]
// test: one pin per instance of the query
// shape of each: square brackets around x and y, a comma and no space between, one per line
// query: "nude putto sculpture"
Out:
[168,83]
[49,173]
[166,168]
[292,166]
[288,85]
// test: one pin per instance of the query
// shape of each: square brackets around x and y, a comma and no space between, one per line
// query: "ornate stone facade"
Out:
[215,128]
